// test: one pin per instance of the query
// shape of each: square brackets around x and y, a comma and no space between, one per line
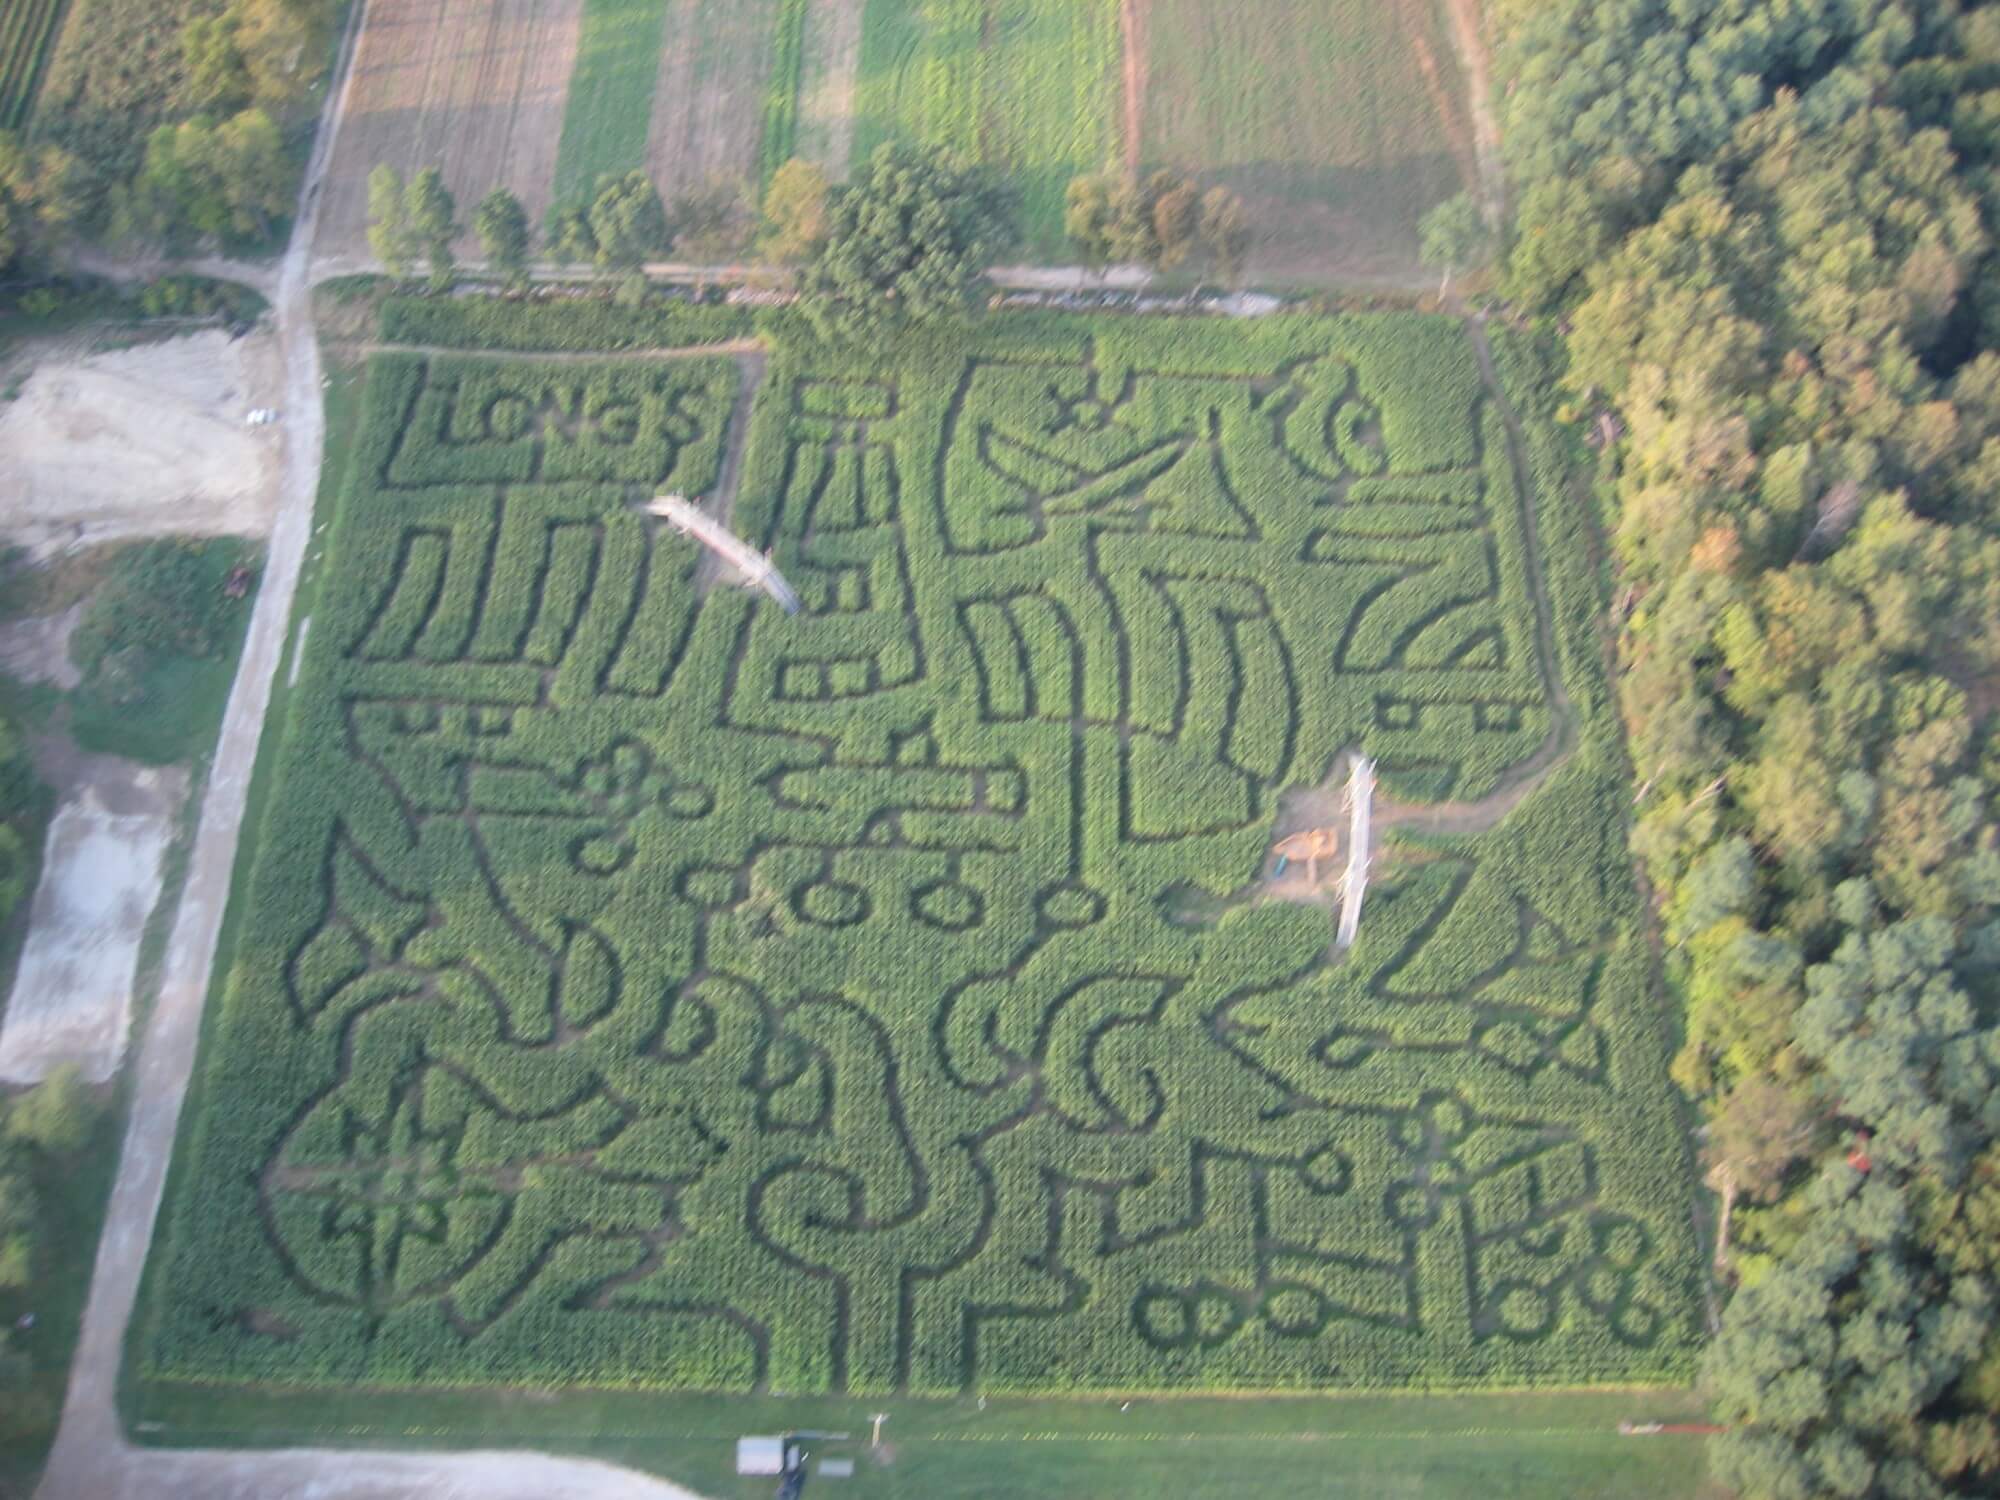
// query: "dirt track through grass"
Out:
[475,88]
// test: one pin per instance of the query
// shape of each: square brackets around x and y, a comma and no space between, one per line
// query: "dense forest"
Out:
[1766,229]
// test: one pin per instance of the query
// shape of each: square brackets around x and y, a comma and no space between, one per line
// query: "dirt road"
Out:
[92,1460]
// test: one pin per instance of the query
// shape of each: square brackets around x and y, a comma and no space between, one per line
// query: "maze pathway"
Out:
[644,986]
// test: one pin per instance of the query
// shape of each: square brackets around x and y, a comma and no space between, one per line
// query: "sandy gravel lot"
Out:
[142,441]
[72,997]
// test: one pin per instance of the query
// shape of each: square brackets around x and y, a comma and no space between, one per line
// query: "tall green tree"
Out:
[794,213]
[502,226]
[1453,238]
[389,235]
[432,216]
[628,225]
[908,240]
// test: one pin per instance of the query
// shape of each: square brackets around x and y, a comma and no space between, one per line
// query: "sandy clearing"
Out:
[475,88]
[708,106]
[142,441]
[72,997]
[826,91]
[37,649]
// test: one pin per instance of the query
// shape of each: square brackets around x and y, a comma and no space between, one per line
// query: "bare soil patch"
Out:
[37,649]
[141,442]
[475,88]
[72,996]
[708,108]
[826,92]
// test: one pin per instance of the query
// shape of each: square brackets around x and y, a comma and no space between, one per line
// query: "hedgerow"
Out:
[558,325]
[645,988]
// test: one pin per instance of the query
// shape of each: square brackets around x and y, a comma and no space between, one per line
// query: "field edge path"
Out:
[91,1458]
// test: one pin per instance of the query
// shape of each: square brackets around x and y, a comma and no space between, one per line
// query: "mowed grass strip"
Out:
[1354,102]
[1557,1445]
[26,29]
[608,117]
[1030,87]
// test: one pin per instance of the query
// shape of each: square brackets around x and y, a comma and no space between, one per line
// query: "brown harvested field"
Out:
[708,107]
[475,88]
[826,84]
[1340,121]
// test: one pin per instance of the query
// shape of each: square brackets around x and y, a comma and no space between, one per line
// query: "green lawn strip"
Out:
[608,118]
[1532,1445]
[26,30]
[162,706]
[1030,87]
[1316,101]
[781,94]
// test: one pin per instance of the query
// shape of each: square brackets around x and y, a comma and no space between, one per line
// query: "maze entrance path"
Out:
[645,988]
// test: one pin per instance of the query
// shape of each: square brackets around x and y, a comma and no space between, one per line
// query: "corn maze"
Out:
[638,987]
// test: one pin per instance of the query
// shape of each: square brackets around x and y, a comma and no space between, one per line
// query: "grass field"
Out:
[27,28]
[1556,1446]
[1344,119]
[643,989]
[606,123]
[1028,86]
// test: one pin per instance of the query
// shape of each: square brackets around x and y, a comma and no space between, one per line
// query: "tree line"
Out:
[1766,229]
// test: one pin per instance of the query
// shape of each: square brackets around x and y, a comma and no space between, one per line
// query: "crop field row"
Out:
[1345,120]
[610,105]
[1028,86]
[642,988]
[27,28]
[476,88]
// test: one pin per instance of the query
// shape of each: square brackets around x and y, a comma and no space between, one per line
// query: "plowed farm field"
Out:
[475,88]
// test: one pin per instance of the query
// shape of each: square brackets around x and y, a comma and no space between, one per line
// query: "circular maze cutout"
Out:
[831,903]
[1070,905]
[950,905]
[1292,1310]
[1525,1312]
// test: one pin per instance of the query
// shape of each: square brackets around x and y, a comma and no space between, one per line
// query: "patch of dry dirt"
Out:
[475,88]
[72,996]
[140,442]
[37,649]
[1469,41]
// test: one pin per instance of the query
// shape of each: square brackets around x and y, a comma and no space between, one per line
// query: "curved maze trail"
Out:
[751,1002]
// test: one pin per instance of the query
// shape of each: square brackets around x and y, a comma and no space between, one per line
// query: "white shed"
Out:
[760,1455]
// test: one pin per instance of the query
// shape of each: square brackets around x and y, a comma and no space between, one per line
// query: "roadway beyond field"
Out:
[91,1459]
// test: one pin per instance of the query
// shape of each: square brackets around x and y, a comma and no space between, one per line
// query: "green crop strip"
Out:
[1030,87]
[1342,102]
[781,96]
[608,119]
[27,29]
[642,988]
